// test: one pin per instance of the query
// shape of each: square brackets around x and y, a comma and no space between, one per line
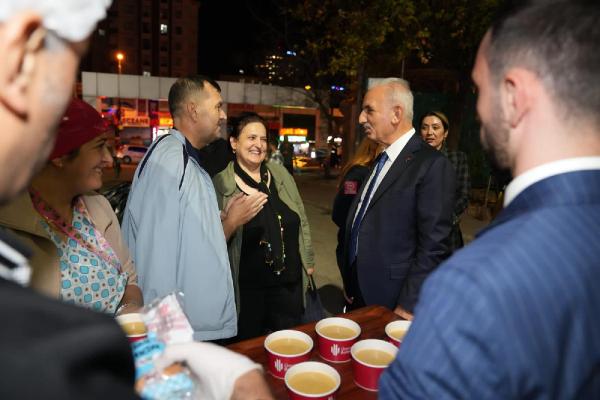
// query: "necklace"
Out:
[275,263]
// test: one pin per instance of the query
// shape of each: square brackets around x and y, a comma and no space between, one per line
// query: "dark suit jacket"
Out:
[403,235]
[514,315]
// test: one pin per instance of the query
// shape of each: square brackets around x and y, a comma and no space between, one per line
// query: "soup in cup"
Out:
[369,359]
[335,337]
[286,348]
[312,380]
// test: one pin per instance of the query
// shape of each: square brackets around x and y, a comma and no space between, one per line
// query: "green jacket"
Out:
[226,188]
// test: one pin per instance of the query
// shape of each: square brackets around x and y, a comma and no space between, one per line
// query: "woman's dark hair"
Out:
[245,119]
[442,117]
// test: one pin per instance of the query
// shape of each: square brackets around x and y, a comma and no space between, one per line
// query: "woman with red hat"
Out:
[78,253]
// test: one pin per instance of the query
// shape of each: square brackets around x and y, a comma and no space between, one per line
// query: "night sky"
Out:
[229,37]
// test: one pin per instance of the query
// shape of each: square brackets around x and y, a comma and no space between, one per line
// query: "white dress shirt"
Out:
[392,152]
[547,170]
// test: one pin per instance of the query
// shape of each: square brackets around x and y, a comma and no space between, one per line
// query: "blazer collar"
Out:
[406,156]
[404,159]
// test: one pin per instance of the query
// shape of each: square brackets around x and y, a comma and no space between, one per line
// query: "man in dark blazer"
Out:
[398,224]
[515,314]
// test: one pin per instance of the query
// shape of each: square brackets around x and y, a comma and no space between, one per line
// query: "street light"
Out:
[120,57]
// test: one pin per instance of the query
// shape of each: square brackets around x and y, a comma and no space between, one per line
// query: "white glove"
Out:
[216,368]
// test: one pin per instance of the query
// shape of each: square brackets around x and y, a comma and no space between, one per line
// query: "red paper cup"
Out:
[133,326]
[296,393]
[392,328]
[279,362]
[366,375]
[334,349]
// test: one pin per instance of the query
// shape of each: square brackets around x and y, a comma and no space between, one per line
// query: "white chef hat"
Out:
[72,20]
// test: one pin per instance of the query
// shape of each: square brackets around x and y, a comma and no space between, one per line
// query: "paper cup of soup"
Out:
[369,358]
[312,380]
[133,326]
[285,349]
[335,337]
[396,330]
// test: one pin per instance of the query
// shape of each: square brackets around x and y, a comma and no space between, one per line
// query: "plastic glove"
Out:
[215,367]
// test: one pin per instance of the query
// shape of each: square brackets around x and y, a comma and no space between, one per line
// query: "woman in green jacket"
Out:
[271,255]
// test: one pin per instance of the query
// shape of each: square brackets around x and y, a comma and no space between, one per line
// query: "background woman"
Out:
[272,253]
[352,177]
[78,255]
[434,130]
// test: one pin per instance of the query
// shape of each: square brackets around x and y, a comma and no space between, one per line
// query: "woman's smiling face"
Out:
[251,145]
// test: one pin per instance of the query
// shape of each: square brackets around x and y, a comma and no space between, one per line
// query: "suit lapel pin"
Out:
[408,159]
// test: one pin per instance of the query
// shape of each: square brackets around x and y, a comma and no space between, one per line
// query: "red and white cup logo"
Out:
[279,362]
[366,375]
[335,337]
[310,389]
[396,330]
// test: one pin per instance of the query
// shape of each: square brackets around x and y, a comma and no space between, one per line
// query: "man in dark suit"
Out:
[397,225]
[515,314]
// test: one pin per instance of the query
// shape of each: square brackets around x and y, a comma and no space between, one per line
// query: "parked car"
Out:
[117,197]
[129,153]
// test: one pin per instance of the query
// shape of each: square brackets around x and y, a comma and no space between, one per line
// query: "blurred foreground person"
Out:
[514,314]
[50,349]
[78,253]
[434,130]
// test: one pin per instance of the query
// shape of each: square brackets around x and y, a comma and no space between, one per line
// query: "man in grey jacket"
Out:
[172,224]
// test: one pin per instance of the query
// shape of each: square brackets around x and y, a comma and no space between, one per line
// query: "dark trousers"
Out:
[265,310]
[354,290]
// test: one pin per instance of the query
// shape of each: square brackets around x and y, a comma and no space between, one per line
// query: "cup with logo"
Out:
[286,348]
[369,359]
[335,337]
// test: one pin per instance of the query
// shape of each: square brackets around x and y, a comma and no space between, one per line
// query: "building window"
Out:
[101,32]
[146,44]
[164,29]
[178,30]
[177,46]
[146,27]
[178,14]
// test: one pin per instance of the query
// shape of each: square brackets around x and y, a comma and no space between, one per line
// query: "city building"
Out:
[155,37]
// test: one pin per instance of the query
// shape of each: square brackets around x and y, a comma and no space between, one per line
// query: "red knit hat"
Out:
[80,124]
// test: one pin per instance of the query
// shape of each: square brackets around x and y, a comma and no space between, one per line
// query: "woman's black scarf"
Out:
[269,216]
